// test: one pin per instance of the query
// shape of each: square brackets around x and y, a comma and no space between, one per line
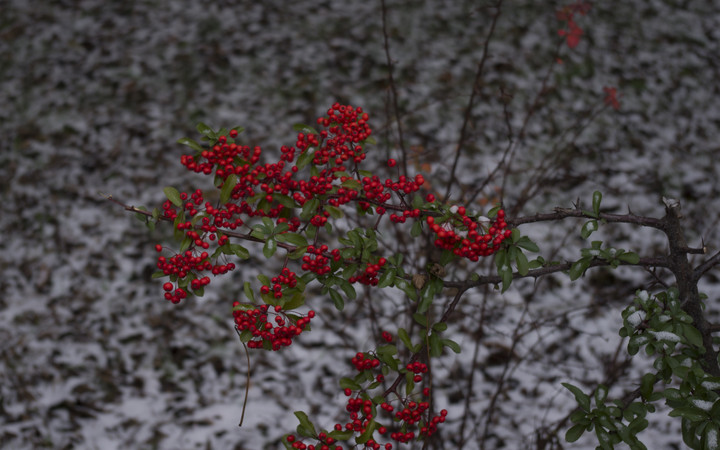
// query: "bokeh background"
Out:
[94,94]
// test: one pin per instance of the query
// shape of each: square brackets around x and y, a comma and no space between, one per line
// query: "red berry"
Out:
[168,286]
[391,162]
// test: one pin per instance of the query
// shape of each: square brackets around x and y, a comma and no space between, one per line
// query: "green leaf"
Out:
[440,327]
[597,198]
[387,278]
[578,268]
[270,247]
[309,209]
[335,212]
[506,275]
[248,291]
[190,143]
[337,299]
[227,188]
[296,301]
[525,243]
[304,159]
[173,195]
[647,384]
[692,335]
[416,229]
[629,257]
[349,383]
[240,251]
[341,435]
[295,239]
[574,433]
[305,424]
[307,129]
[367,434]
[588,229]
[582,398]
[421,319]
[522,263]
[454,346]
[347,288]
[435,345]
[206,131]
[405,338]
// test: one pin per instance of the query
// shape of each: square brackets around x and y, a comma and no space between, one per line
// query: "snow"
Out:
[636,318]
[95,95]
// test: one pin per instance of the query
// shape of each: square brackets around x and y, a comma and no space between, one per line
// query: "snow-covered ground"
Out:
[94,95]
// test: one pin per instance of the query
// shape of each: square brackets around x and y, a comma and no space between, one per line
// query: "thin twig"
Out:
[247,381]
[393,88]
[471,102]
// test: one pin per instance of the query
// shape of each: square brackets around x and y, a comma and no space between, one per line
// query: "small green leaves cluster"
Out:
[612,422]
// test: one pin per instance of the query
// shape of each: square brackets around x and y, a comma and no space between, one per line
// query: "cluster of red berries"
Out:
[324,443]
[315,260]
[473,241]
[264,333]
[363,361]
[369,276]
[183,264]
[573,32]
[286,278]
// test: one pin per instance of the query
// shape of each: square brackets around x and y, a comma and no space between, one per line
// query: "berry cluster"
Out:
[572,32]
[286,278]
[262,332]
[471,240]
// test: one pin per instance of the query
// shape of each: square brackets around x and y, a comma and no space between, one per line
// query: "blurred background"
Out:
[94,95]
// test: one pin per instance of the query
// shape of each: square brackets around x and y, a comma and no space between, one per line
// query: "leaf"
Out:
[227,188]
[440,326]
[248,291]
[588,229]
[647,384]
[435,345]
[387,278]
[525,243]
[574,433]
[296,301]
[522,263]
[421,319]
[305,424]
[240,251]
[206,131]
[368,433]
[309,208]
[190,143]
[335,212]
[173,195]
[629,257]
[347,288]
[454,346]
[597,198]
[692,335]
[578,268]
[582,398]
[337,299]
[307,129]
[405,338]
[349,383]
[341,435]
[506,275]
[416,229]
[270,247]
[295,239]
[304,159]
